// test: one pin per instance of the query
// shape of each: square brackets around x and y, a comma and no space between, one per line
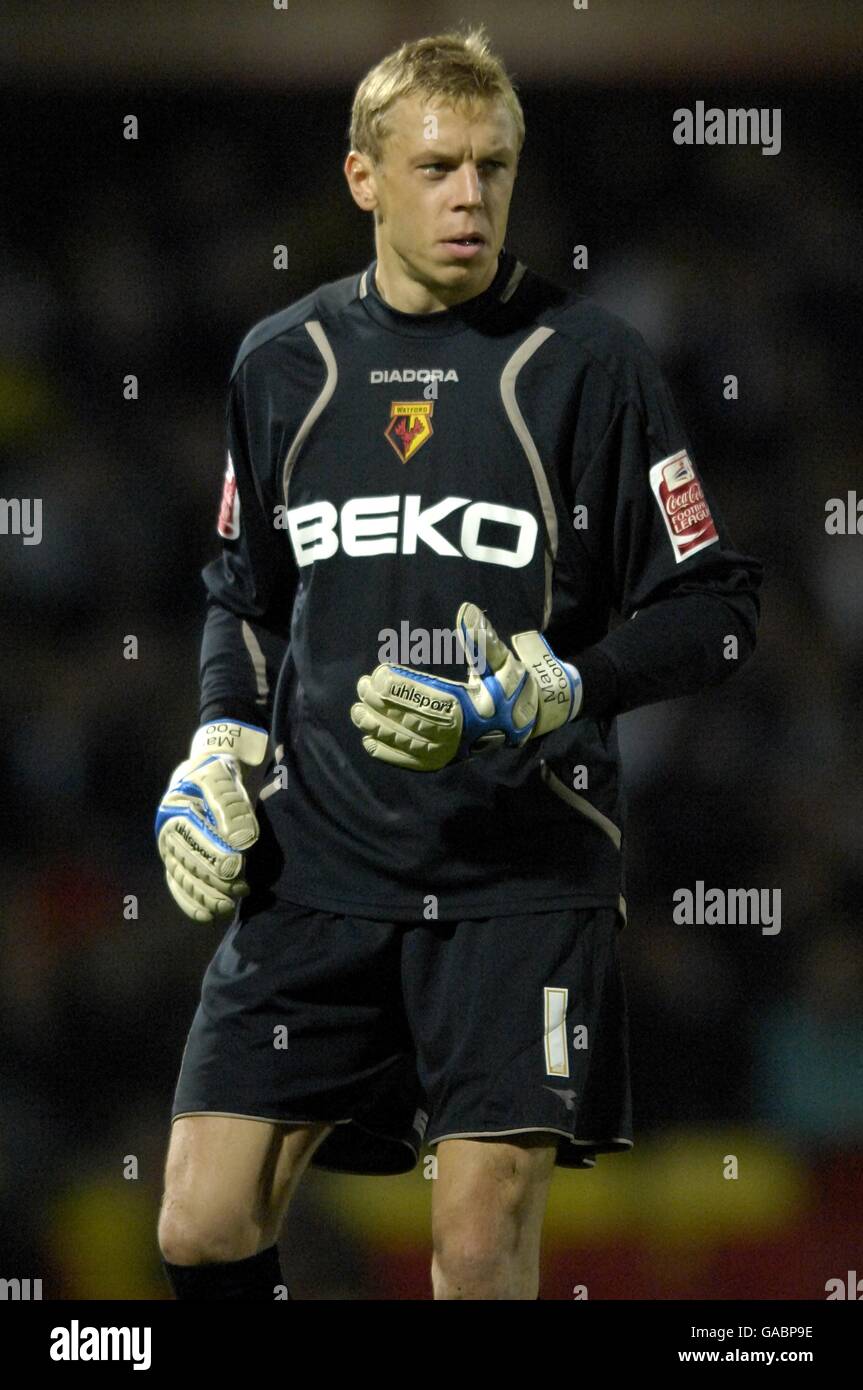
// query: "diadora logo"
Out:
[568,1097]
[409,427]
[394,525]
[378,376]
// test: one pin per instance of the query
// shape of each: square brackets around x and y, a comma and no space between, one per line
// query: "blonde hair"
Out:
[453,67]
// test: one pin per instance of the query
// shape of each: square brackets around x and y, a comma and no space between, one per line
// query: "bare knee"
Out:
[477,1243]
[192,1236]
[472,1264]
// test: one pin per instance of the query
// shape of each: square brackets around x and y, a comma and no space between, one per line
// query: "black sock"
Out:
[253,1279]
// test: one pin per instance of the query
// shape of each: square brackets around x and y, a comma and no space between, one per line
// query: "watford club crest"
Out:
[409,427]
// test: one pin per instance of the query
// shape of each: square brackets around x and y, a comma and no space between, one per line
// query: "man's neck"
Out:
[423,300]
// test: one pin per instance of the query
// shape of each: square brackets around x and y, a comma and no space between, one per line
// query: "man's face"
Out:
[446,173]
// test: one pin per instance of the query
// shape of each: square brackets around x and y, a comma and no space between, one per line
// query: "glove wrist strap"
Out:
[245,742]
[558,682]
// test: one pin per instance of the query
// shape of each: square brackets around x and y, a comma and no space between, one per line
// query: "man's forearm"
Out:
[240,662]
[673,648]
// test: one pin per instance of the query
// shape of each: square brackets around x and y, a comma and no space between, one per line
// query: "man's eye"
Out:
[486,163]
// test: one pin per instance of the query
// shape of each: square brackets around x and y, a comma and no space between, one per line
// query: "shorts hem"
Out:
[599,1145]
[265,1119]
[345,1165]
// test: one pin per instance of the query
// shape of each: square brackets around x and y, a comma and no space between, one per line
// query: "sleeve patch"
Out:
[229,511]
[682,504]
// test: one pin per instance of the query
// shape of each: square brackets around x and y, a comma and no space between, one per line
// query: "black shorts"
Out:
[400,1033]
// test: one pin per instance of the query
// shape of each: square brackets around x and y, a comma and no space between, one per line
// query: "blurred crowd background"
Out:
[154,257]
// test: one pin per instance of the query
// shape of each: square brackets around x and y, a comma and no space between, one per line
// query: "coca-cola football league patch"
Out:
[683,505]
[229,510]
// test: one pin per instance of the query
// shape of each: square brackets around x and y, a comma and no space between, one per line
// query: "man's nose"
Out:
[468,190]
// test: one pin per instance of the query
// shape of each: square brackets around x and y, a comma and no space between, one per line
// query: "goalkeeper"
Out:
[419,866]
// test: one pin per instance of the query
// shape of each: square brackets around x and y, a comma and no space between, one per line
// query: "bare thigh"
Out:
[228,1183]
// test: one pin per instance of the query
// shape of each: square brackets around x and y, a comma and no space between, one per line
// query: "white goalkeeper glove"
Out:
[205,819]
[424,722]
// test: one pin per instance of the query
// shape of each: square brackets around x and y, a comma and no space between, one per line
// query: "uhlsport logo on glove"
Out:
[424,722]
[404,690]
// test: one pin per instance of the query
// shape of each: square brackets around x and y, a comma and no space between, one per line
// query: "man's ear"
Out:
[359,172]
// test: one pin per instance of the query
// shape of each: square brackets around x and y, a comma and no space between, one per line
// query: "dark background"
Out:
[154,257]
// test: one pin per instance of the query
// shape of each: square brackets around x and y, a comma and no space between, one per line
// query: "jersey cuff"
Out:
[243,711]
[598,683]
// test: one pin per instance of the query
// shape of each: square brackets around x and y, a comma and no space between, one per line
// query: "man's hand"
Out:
[425,722]
[205,819]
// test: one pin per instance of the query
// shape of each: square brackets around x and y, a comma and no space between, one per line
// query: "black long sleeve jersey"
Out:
[521,451]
